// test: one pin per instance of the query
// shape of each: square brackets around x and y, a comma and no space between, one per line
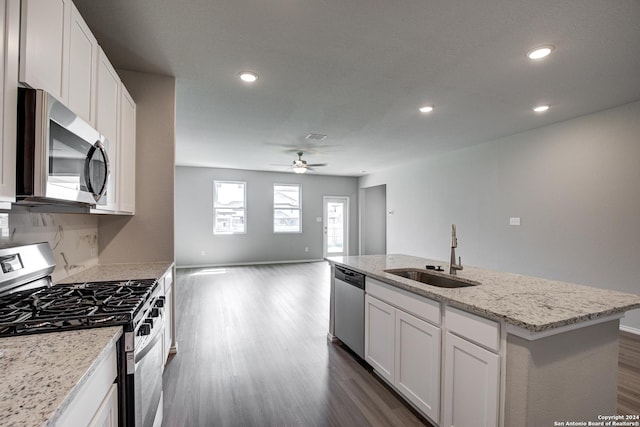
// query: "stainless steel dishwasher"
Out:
[349,309]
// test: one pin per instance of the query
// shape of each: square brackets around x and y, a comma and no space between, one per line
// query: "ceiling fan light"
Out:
[299,169]
[426,109]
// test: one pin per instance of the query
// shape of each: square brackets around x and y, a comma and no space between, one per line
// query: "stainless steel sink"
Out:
[427,277]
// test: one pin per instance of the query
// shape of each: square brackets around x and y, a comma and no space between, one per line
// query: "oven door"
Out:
[148,377]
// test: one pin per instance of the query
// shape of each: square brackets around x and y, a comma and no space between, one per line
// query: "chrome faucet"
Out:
[453,267]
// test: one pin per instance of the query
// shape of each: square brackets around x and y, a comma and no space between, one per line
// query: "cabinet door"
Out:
[44,45]
[9,34]
[471,384]
[379,339]
[107,414]
[83,60]
[107,104]
[127,149]
[418,363]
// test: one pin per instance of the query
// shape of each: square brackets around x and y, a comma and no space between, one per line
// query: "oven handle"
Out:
[158,334]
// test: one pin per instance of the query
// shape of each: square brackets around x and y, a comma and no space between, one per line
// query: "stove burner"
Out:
[73,306]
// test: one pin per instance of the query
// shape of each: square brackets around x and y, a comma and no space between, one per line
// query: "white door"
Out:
[336,226]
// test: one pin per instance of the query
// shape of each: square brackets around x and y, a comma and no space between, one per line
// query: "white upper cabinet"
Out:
[83,60]
[44,45]
[60,55]
[107,110]
[9,34]
[127,151]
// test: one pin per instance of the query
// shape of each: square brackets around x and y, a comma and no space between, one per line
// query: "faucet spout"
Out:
[453,267]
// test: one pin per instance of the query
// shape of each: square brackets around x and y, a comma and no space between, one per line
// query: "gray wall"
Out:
[194,217]
[574,184]
[147,236]
[374,220]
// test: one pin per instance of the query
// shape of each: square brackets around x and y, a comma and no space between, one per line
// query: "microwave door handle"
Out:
[87,170]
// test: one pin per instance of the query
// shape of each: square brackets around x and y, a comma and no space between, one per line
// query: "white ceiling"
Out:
[357,70]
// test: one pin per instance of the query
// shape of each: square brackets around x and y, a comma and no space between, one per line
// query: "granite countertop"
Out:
[108,272]
[41,374]
[531,303]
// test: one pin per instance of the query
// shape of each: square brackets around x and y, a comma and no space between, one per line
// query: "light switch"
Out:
[514,220]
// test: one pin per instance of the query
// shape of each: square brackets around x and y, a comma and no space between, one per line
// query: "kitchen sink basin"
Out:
[427,277]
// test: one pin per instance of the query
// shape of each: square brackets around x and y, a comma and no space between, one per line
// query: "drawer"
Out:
[409,302]
[473,328]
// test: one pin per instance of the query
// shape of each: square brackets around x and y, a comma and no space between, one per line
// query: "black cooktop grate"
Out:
[73,306]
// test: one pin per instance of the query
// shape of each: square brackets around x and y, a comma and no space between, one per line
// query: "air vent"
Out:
[316,137]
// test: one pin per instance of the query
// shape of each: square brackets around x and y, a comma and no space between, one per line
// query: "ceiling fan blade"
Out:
[317,164]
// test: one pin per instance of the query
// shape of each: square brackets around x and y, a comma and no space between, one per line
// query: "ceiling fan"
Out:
[301,166]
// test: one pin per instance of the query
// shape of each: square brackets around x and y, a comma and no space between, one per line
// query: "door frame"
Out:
[326,199]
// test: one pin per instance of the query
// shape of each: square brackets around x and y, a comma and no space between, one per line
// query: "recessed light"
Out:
[540,52]
[541,108]
[248,76]
[426,109]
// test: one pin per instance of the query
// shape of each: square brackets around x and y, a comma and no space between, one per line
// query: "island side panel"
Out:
[565,377]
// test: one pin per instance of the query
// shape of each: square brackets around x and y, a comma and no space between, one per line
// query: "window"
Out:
[286,208]
[229,207]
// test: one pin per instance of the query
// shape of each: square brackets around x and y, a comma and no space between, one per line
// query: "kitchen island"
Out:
[551,346]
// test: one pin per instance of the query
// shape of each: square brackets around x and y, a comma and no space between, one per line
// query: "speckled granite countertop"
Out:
[107,272]
[531,303]
[41,374]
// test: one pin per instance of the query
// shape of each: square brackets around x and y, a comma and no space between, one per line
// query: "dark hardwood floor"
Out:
[252,351]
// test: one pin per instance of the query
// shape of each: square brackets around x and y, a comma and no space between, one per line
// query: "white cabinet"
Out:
[83,60]
[107,414]
[418,362]
[107,109]
[44,45]
[379,339]
[169,321]
[9,42]
[471,372]
[96,402]
[403,348]
[127,152]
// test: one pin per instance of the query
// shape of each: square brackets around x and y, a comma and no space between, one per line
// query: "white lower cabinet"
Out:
[107,415]
[471,381]
[405,337]
[404,350]
[169,326]
[418,363]
[96,402]
[379,339]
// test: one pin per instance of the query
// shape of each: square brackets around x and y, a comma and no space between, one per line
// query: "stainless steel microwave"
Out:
[61,159]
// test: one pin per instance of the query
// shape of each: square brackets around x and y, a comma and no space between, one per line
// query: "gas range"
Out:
[74,306]
[30,304]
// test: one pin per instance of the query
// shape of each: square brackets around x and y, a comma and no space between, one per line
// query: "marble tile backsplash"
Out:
[72,237]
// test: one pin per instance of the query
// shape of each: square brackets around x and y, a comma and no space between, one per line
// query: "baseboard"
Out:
[630,330]
[240,264]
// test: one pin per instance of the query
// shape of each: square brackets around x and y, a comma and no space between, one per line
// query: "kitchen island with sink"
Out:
[509,350]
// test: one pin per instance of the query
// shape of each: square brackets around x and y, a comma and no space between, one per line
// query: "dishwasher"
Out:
[349,309]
